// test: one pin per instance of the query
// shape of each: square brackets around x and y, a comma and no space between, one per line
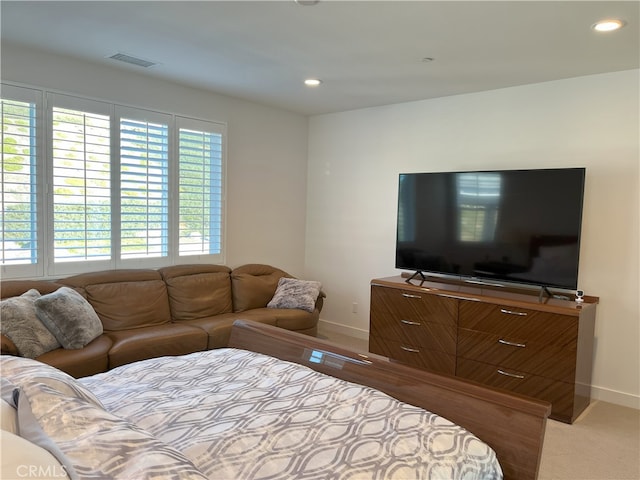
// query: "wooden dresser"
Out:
[537,346]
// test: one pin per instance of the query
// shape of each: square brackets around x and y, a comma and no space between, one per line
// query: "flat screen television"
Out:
[520,226]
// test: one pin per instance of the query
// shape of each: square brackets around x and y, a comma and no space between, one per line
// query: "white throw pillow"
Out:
[23,459]
[9,418]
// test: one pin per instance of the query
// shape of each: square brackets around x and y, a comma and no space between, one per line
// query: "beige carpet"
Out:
[602,444]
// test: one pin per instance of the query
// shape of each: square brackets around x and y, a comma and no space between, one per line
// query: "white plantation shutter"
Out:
[89,185]
[81,190]
[200,153]
[20,112]
[144,189]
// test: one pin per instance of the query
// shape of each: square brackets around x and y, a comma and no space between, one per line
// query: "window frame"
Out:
[57,100]
[144,116]
[200,125]
[30,95]
[46,267]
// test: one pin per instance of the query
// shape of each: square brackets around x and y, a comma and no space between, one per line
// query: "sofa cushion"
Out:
[290,319]
[294,293]
[126,298]
[69,317]
[93,358]
[198,291]
[126,305]
[218,327]
[22,326]
[15,288]
[7,347]
[157,341]
[254,285]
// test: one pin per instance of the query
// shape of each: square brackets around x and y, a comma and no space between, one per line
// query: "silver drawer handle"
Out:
[511,312]
[513,375]
[511,344]
[409,322]
[408,295]
[407,349]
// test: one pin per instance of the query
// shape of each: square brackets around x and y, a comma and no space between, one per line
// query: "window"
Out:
[200,196]
[81,194]
[121,193]
[144,188]
[478,197]
[19,189]
[18,182]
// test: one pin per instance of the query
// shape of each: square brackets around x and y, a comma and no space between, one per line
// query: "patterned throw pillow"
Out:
[70,318]
[21,324]
[294,293]
[59,414]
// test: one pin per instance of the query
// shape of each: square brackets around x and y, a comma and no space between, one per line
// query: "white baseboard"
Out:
[613,396]
[327,326]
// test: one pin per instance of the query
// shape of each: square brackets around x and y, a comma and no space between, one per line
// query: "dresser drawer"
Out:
[429,335]
[514,353]
[416,356]
[414,306]
[532,326]
[559,394]
[505,338]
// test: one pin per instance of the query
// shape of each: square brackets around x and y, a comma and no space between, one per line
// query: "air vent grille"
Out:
[123,57]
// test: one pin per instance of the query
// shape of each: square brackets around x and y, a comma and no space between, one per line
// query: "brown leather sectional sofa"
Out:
[174,310]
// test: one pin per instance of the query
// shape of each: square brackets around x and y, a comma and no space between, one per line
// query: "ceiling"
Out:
[367,53]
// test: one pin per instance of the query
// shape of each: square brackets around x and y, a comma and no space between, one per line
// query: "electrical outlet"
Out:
[354,307]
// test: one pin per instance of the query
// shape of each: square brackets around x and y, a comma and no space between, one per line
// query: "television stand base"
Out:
[417,273]
[545,289]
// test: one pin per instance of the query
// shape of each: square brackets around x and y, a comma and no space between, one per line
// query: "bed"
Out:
[274,405]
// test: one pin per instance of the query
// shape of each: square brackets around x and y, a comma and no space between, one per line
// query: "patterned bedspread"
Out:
[241,415]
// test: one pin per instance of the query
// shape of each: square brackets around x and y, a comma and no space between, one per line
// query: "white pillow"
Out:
[23,459]
[9,418]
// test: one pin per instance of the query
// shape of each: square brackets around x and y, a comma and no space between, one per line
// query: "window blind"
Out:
[200,194]
[18,224]
[144,189]
[81,185]
[89,185]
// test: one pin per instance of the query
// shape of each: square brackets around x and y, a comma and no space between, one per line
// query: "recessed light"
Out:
[312,82]
[307,3]
[608,25]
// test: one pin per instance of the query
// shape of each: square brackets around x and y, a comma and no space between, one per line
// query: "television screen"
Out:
[518,226]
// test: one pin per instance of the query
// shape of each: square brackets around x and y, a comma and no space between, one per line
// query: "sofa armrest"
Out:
[320,301]
[7,347]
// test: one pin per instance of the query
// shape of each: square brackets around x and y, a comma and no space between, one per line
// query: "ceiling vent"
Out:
[123,57]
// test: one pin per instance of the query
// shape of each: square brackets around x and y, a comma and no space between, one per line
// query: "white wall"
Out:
[353,161]
[266,156]
[355,158]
